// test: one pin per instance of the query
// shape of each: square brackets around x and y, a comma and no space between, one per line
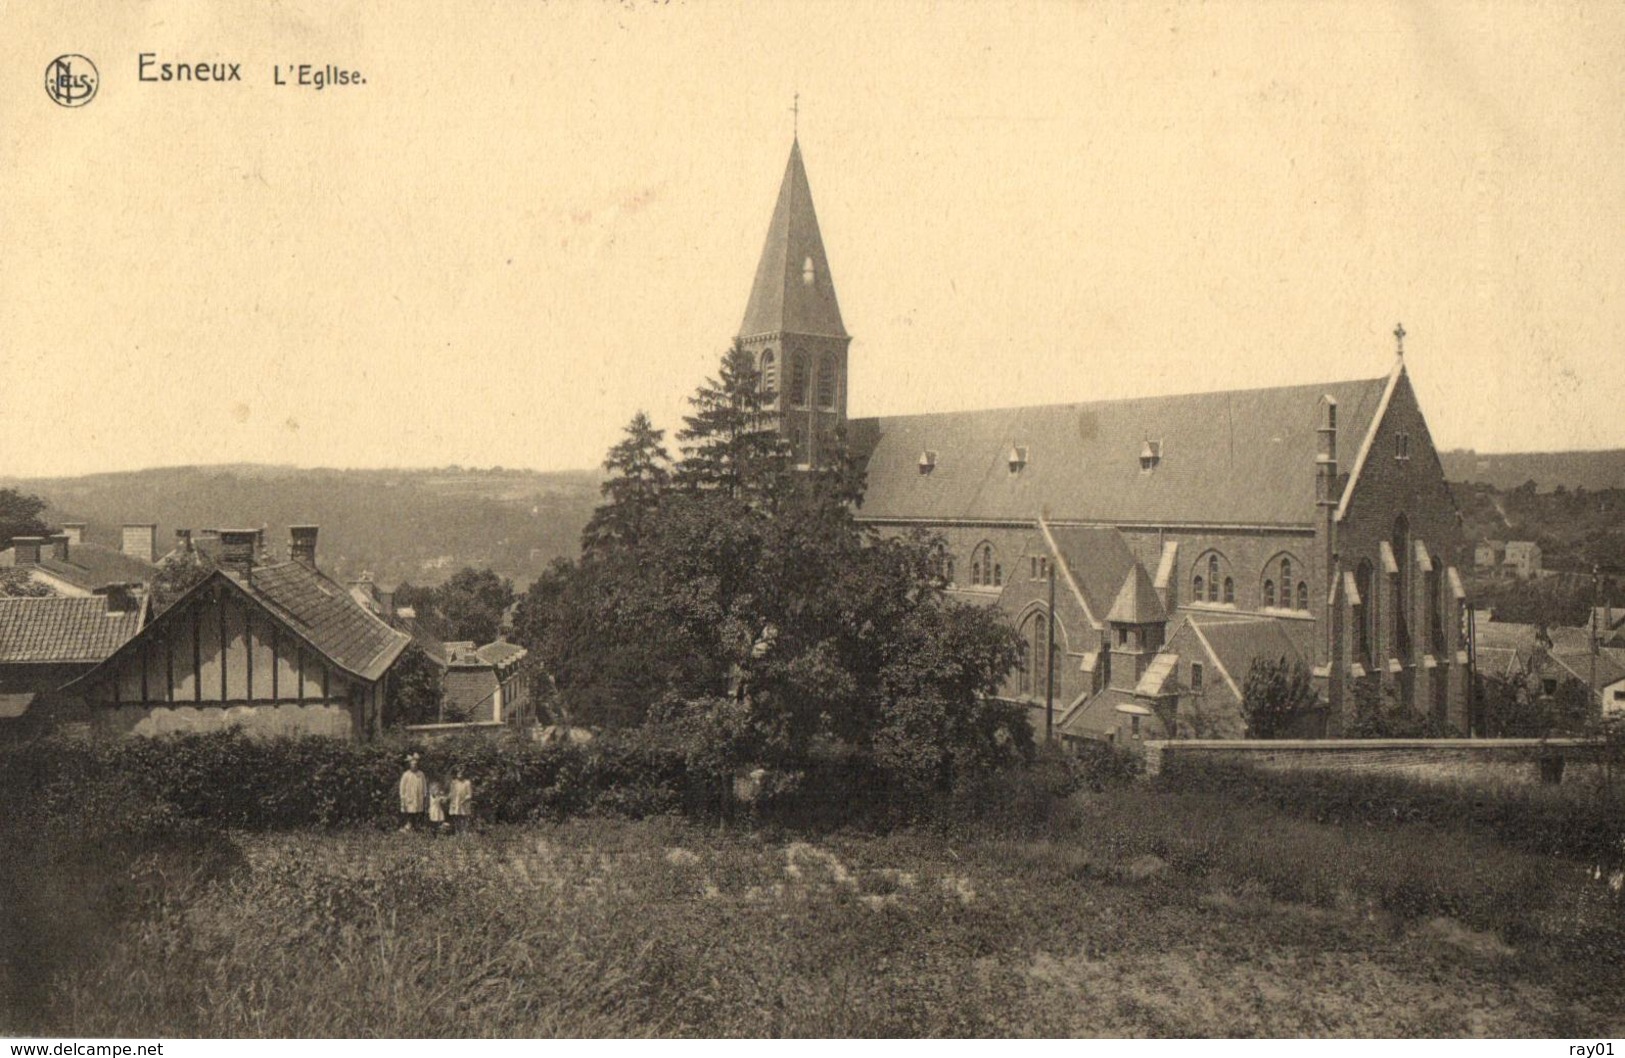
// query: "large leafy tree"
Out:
[177,574]
[20,516]
[416,688]
[639,471]
[472,603]
[756,608]
[1274,695]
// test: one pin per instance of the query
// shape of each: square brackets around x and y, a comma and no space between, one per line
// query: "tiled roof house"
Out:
[47,643]
[275,647]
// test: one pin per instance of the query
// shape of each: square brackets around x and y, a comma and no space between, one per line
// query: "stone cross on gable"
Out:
[1399,336]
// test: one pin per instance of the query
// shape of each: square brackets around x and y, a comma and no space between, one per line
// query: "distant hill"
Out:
[400,525]
[1592,471]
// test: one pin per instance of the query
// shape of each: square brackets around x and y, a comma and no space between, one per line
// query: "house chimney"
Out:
[75,531]
[59,546]
[302,544]
[237,551]
[120,597]
[140,541]
[27,549]
[183,540]
[386,603]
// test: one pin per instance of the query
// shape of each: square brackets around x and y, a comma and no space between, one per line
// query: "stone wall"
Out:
[1516,760]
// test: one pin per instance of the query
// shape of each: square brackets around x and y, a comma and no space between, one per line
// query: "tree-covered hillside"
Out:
[400,525]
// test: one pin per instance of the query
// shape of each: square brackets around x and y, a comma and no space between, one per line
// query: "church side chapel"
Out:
[1149,550]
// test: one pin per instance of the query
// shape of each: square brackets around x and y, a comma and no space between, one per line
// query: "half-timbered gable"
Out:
[277,649]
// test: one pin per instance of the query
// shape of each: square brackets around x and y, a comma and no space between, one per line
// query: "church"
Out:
[1149,550]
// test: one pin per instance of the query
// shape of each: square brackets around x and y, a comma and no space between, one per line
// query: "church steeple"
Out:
[793,292]
[793,322]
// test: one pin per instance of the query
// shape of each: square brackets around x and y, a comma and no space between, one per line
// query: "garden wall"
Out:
[1516,760]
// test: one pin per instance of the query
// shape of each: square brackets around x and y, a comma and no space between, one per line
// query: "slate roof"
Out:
[91,566]
[1137,602]
[329,617]
[1236,457]
[501,653]
[1155,680]
[57,630]
[1234,640]
[1578,665]
[1096,559]
[780,298]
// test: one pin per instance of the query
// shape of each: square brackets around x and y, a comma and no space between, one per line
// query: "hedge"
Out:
[228,779]
[1583,823]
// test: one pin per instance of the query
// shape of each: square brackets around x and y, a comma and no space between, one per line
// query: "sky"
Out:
[533,220]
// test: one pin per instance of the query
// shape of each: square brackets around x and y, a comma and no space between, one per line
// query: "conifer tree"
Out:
[638,474]
[731,442]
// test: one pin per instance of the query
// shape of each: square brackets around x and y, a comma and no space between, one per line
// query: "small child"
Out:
[437,806]
[462,800]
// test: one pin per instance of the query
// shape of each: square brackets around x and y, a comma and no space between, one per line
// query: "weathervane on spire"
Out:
[1399,336]
[795,119]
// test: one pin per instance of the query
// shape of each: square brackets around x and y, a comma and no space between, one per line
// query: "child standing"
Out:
[437,806]
[412,794]
[462,801]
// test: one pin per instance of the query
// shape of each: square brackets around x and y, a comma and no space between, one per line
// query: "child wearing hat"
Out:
[414,795]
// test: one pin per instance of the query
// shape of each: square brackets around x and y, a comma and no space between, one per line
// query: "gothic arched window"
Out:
[1401,543]
[1229,590]
[1269,593]
[1213,578]
[985,570]
[1303,595]
[798,381]
[1040,652]
[826,382]
[1365,619]
[770,375]
[1197,588]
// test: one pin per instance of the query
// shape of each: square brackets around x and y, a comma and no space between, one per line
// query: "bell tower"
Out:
[792,323]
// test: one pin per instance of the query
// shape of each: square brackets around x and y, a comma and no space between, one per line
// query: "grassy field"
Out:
[1127,913]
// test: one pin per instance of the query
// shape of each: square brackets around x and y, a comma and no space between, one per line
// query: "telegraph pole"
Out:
[1049,661]
[1596,579]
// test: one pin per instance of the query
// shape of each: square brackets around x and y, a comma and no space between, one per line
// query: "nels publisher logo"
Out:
[71,80]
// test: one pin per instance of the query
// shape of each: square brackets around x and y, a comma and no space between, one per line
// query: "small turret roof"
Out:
[1137,602]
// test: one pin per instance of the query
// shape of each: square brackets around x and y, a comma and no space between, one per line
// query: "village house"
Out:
[486,685]
[274,647]
[1503,558]
[47,643]
[1543,659]
[1149,550]
[65,563]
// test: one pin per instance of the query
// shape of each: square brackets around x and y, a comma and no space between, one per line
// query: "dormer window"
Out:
[928,461]
[809,274]
[1018,458]
[1150,455]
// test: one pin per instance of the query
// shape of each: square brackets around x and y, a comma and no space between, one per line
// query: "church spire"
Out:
[793,292]
[793,324]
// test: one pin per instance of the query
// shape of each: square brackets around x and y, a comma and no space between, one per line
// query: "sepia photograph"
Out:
[608,519]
